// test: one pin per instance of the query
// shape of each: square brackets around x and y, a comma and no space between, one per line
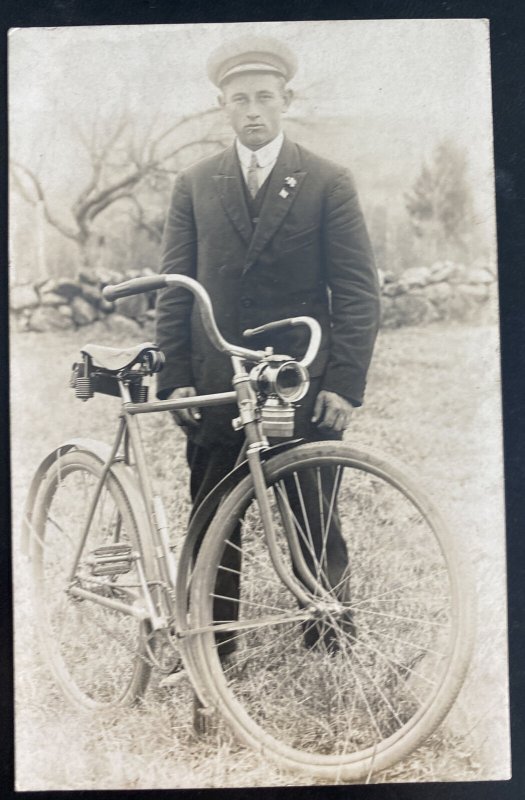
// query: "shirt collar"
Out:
[265,155]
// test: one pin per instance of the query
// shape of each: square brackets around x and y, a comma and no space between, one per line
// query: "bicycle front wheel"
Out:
[352,681]
[97,654]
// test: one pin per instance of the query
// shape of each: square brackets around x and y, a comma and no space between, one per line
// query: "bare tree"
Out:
[122,166]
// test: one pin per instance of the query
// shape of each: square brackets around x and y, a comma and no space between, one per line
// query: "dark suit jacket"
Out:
[309,254]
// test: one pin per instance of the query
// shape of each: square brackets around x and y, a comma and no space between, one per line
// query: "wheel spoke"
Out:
[350,665]
[238,601]
[404,619]
[255,651]
[256,559]
[335,491]
[303,511]
[407,643]
[391,660]
[323,530]
[93,650]
[346,679]
[307,542]
[267,580]
[61,530]
[377,687]
[400,587]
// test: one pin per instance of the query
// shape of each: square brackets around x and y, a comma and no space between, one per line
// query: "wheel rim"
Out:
[93,650]
[363,703]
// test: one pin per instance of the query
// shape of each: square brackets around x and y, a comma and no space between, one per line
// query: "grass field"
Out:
[433,403]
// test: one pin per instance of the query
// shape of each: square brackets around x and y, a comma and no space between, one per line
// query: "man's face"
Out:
[254,104]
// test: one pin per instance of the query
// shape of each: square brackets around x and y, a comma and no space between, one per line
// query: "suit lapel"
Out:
[279,198]
[230,190]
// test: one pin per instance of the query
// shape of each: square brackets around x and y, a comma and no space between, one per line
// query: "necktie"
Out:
[251,178]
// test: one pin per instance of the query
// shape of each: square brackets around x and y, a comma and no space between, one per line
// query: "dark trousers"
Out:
[209,464]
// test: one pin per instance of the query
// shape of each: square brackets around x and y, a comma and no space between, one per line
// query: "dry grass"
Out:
[339,702]
[432,402]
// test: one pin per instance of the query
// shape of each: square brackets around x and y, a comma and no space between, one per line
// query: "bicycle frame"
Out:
[376,704]
[159,612]
[245,396]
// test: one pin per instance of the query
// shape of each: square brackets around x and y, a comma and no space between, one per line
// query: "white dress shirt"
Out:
[266,157]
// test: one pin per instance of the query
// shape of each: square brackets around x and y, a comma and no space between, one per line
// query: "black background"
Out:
[507,34]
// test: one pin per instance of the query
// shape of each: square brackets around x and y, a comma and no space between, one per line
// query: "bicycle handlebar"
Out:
[154,282]
[292,322]
[134,286]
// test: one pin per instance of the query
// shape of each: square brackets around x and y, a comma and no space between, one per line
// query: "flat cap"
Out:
[251,54]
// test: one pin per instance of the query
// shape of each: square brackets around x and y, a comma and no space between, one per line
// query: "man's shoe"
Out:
[317,635]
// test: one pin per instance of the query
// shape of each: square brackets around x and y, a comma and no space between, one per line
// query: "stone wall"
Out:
[66,304]
[444,291]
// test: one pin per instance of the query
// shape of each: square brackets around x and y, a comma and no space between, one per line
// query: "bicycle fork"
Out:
[256,443]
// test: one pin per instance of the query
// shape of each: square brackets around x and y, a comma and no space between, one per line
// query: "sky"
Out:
[415,81]
[426,68]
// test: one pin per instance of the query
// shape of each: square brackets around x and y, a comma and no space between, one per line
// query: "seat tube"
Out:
[145,487]
[96,497]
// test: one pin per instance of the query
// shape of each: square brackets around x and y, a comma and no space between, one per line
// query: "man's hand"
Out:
[332,412]
[185,417]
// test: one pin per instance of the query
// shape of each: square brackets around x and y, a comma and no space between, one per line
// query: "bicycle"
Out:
[335,677]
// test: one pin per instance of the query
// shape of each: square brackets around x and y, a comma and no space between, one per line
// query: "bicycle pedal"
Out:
[118,548]
[112,559]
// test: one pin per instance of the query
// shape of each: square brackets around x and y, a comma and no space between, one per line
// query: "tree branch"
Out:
[37,186]
[209,112]
[140,160]
[141,222]
[188,146]
[106,196]
[97,163]
[89,209]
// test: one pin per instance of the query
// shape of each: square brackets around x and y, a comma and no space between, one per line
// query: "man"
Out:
[271,231]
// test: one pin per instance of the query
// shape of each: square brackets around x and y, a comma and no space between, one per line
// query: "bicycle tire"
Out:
[323,709]
[97,655]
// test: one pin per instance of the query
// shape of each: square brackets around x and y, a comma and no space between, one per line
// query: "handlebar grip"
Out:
[134,286]
[270,326]
[291,322]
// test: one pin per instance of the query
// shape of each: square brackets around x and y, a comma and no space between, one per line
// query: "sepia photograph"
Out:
[256,440]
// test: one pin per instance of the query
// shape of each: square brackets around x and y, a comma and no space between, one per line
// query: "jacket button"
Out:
[247,302]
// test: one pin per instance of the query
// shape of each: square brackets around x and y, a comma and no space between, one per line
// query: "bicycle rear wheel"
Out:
[97,654]
[349,685]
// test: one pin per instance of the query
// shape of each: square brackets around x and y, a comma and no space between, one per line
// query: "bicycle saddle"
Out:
[114,359]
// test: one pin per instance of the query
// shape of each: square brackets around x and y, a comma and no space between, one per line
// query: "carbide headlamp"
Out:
[284,379]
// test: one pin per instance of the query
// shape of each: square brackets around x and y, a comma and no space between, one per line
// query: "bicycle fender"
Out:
[120,471]
[201,519]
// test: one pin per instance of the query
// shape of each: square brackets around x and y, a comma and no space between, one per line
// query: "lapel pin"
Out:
[283,193]
[290,182]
